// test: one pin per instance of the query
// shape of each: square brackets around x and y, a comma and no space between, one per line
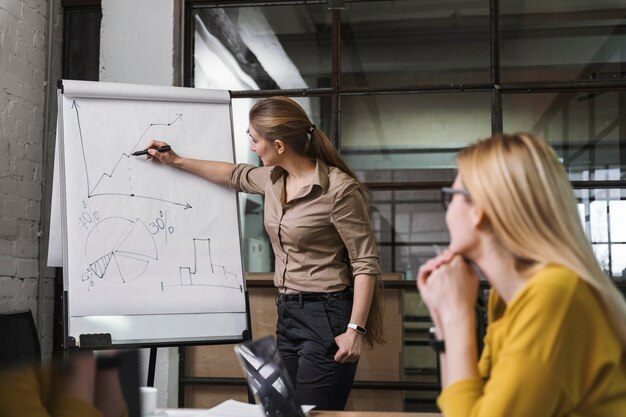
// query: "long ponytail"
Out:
[282,118]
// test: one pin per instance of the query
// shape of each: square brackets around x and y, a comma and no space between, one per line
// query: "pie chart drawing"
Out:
[119,250]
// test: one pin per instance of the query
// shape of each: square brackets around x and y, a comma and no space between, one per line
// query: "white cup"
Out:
[148,400]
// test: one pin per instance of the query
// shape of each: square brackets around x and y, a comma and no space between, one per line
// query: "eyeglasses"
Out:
[448,192]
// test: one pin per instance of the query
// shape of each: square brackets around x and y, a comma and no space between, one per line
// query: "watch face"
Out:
[438,345]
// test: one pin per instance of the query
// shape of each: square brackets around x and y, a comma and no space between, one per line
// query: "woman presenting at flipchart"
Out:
[327,268]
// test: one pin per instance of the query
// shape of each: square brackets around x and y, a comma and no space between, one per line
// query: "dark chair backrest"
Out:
[19,343]
[129,379]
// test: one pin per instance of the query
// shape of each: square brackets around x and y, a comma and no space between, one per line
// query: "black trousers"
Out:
[305,335]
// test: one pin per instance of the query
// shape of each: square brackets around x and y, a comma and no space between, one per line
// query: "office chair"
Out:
[19,343]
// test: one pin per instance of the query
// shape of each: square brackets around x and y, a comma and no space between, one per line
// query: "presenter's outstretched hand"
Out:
[349,344]
[168,158]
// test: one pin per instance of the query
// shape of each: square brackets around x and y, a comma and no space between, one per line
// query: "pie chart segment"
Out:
[119,250]
[130,267]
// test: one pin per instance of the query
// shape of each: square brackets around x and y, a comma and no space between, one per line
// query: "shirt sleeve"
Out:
[249,179]
[351,220]
[518,387]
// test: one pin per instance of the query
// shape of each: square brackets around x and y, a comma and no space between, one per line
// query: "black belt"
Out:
[307,297]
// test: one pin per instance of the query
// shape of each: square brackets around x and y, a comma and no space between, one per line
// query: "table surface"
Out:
[191,412]
[314,413]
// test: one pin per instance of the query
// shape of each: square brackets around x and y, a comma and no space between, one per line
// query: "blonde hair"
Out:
[529,202]
[282,118]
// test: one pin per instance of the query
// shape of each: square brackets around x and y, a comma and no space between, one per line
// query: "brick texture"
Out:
[23,68]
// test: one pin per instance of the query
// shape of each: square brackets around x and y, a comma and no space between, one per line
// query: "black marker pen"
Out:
[159,148]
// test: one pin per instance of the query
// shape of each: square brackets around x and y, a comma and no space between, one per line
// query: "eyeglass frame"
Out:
[448,192]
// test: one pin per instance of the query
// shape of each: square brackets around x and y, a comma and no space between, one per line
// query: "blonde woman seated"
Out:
[556,340]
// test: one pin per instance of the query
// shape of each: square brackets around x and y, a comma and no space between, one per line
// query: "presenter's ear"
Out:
[280,146]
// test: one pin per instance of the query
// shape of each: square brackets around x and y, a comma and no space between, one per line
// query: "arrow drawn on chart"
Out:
[124,157]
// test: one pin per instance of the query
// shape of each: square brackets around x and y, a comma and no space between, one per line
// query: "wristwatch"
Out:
[356,327]
[438,345]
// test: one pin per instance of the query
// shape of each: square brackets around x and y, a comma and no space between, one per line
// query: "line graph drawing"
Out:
[119,250]
[204,272]
[118,180]
[126,238]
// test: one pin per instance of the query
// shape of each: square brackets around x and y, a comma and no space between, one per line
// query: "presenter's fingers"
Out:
[167,157]
[346,356]
[349,347]
[154,144]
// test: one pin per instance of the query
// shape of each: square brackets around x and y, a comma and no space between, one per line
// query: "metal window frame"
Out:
[497,89]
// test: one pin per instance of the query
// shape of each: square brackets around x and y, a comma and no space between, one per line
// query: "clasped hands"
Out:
[449,287]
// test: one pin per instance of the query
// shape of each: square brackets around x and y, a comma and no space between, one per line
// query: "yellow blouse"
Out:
[31,392]
[550,352]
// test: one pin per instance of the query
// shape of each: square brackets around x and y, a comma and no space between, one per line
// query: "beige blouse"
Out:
[322,237]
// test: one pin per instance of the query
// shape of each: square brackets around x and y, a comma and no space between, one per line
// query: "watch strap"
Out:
[438,345]
[357,328]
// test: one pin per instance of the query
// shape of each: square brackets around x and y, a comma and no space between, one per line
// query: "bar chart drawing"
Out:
[204,273]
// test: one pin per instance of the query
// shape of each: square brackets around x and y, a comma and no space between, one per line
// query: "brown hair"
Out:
[282,118]
[374,324]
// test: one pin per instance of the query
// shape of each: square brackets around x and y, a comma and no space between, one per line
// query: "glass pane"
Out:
[598,222]
[252,48]
[410,131]
[381,217]
[561,40]
[414,306]
[583,219]
[617,214]
[420,362]
[618,260]
[409,258]
[386,258]
[445,176]
[421,220]
[409,224]
[604,214]
[408,42]
[258,254]
[602,255]
[583,128]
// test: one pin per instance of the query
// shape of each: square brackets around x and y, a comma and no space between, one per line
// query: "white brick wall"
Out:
[23,61]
